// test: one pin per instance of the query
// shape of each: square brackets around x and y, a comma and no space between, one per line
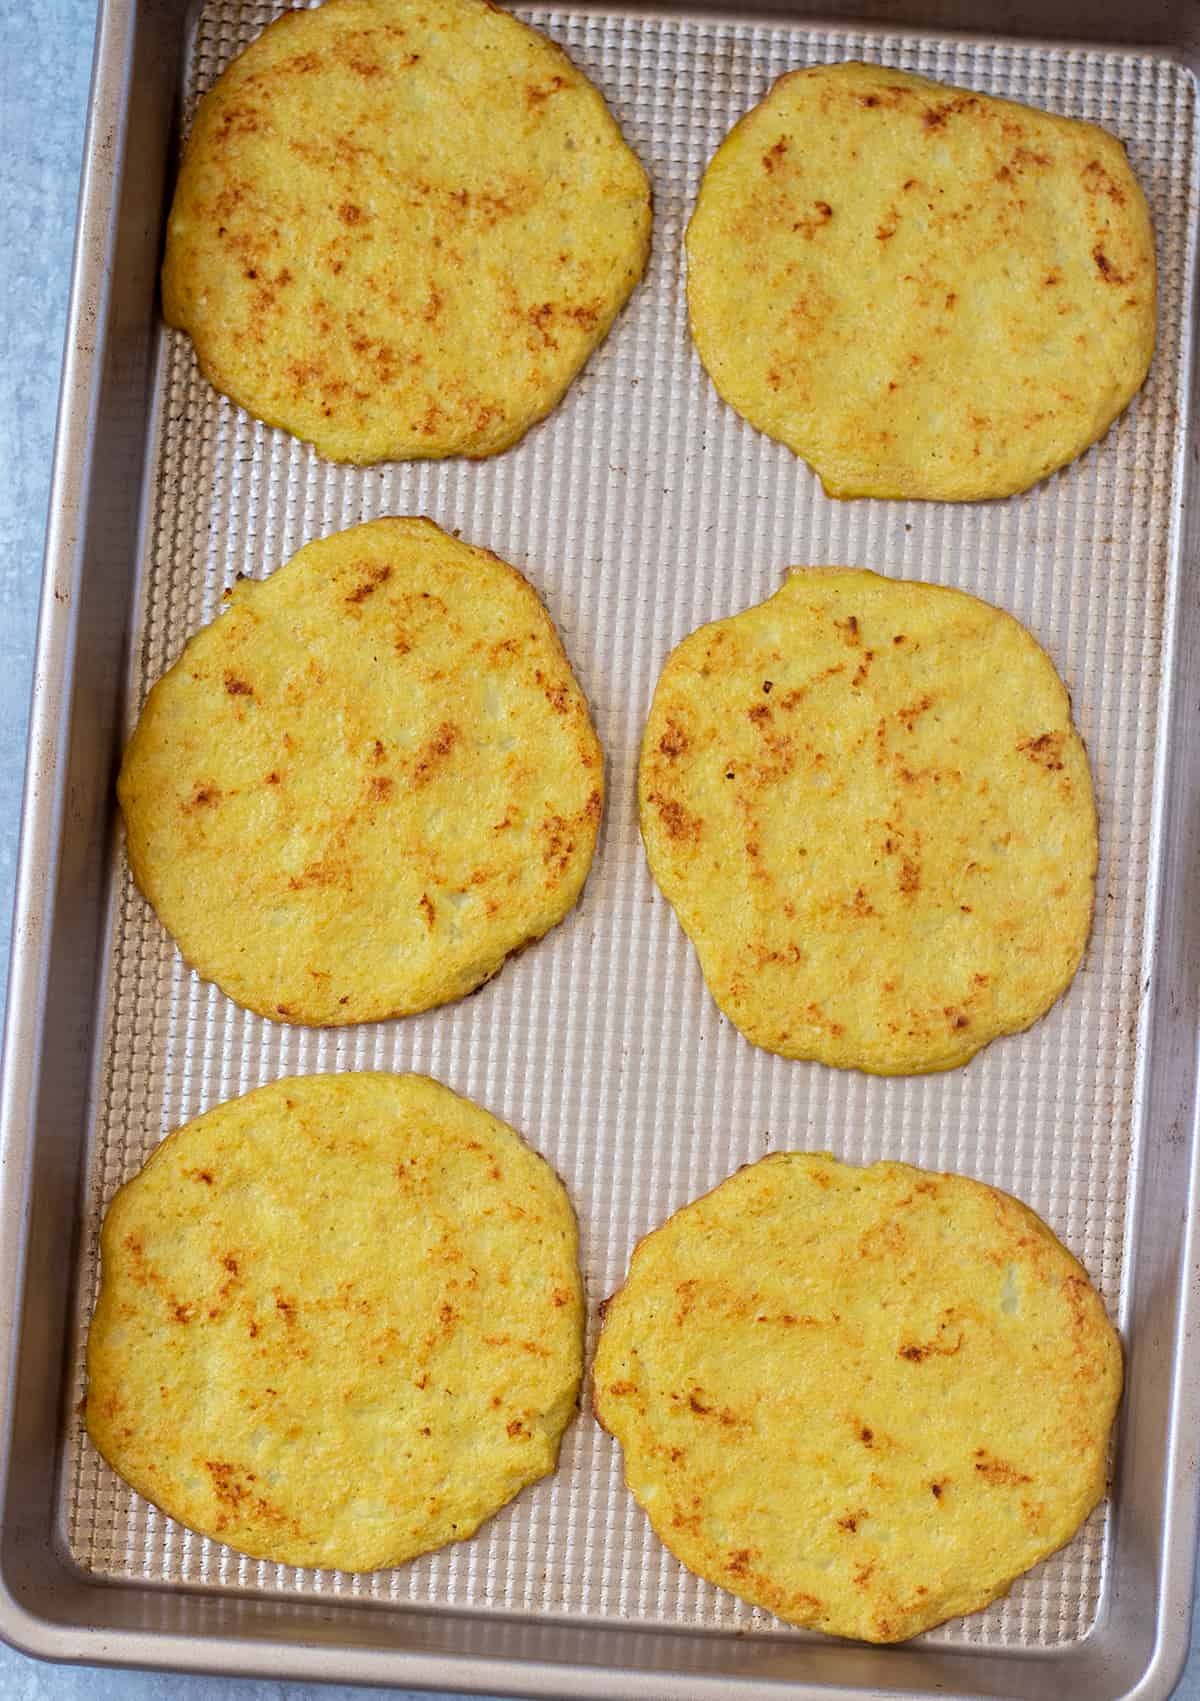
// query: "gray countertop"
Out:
[44,72]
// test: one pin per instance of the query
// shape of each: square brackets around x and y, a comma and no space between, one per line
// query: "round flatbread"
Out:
[401,227]
[865,1399]
[869,808]
[923,291]
[339,1322]
[367,782]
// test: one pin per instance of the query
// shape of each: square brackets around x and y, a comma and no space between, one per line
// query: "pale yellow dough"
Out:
[868,805]
[339,1322]
[922,291]
[401,227]
[367,782]
[864,1399]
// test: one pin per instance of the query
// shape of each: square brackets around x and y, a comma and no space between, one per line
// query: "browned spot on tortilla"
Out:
[376,576]
[674,741]
[536,97]
[1046,750]
[810,223]
[556,691]
[540,318]
[933,117]
[1107,270]
[864,668]
[677,823]
[998,1471]
[226,1485]
[913,711]
[1096,180]
[859,905]
[433,752]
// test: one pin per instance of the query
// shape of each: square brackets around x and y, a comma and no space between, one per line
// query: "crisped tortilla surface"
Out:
[401,227]
[864,1399]
[339,1322]
[869,808]
[923,291]
[368,781]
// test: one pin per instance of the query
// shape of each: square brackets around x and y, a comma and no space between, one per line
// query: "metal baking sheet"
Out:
[639,509]
[642,508]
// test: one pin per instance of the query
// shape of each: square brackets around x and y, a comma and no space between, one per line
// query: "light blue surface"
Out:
[45,60]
